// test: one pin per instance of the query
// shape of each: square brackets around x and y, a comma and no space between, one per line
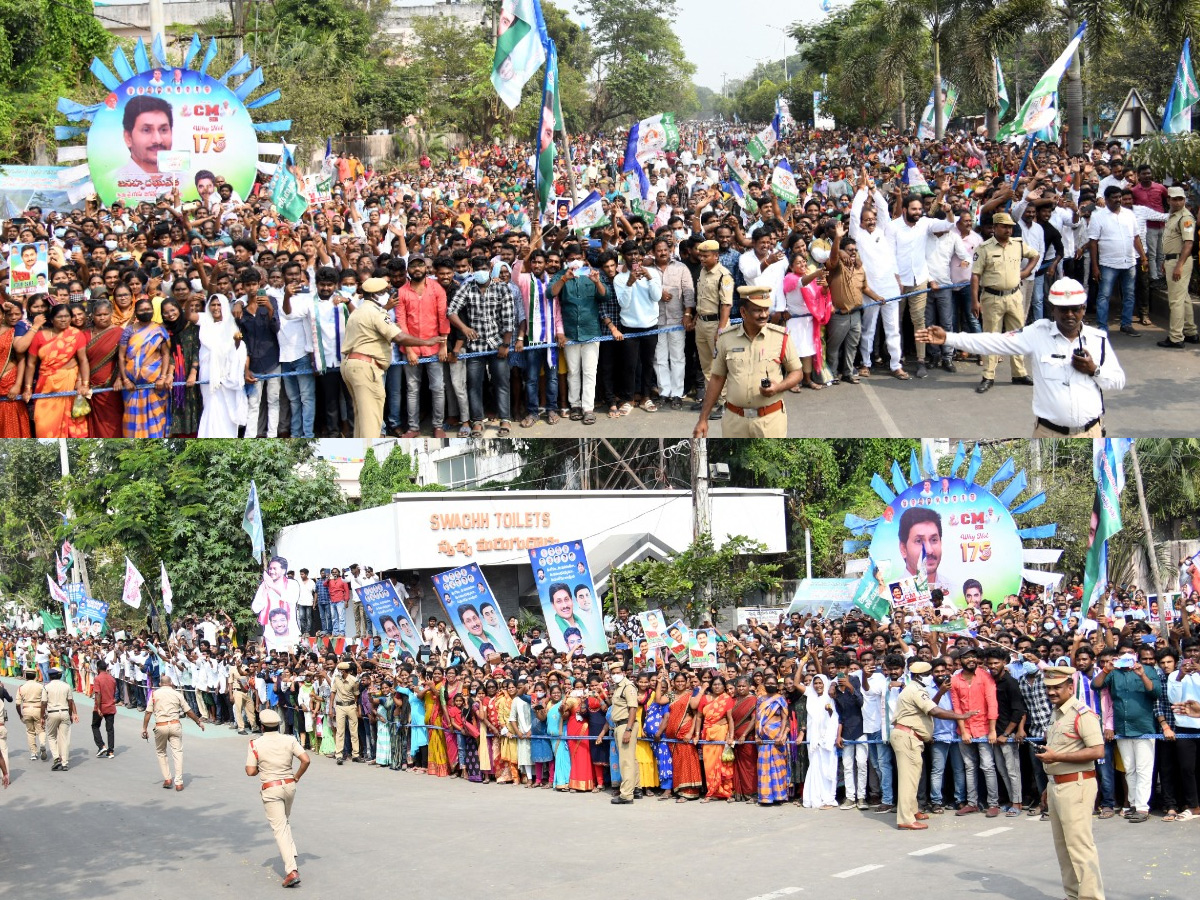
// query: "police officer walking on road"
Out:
[168,708]
[755,363]
[911,730]
[996,276]
[29,707]
[58,712]
[1178,239]
[624,716]
[1074,742]
[270,758]
[345,705]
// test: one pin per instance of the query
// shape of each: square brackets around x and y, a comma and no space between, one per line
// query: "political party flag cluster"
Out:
[647,138]
[1177,118]
[1108,467]
[520,48]
[869,597]
[286,195]
[1040,109]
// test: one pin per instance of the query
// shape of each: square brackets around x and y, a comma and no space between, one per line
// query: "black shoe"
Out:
[617,800]
[358,759]
[676,403]
[921,372]
[1170,344]
[717,413]
[57,765]
[1023,379]
[340,760]
[109,754]
[948,365]
[638,794]
[101,753]
[984,386]
[697,406]
[1128,329]
[1192,339]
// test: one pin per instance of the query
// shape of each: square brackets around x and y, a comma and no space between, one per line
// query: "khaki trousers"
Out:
[243,710]
[35,732]
[706,349]
[346,715]
[1182,322]
[627,757]
[772,425]
[58,735]
[277,804]
[365,382]
[1001,314]
[916,313]
[4,743]
[169,736]
[908,749]
[1071,823]
[1041,431]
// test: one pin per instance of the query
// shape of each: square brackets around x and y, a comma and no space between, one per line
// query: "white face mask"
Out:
[617,677]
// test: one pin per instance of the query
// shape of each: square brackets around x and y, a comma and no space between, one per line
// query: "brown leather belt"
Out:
[755,413]
[913,732]
[169,722]
[365,358]
[1074,776]
[271,784]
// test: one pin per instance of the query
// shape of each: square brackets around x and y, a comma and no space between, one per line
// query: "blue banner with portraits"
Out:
[574,619]
[474,612]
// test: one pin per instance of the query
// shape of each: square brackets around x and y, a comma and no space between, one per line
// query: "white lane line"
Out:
[885,418]
[782,892]
[992,831]
[850,873]
[936,848]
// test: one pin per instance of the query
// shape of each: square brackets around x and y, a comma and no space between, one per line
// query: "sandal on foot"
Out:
[813,386]
[477,429]
[504,428]
[552,418]
[614,412]
[529,421]
[626,409]
[589,418]
[648,405]
[575,414]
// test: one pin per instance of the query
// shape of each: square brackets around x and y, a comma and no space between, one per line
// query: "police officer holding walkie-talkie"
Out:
[1072,364]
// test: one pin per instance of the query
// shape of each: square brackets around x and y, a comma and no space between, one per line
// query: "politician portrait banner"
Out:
[390,618]
[956,534]
[275,604]
[171,127]
[28,269]
[574,621]
[474,612]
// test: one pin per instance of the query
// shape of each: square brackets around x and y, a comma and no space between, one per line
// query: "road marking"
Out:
[850,873]
[992,831]
[936,848]
[889,424]
[774,895]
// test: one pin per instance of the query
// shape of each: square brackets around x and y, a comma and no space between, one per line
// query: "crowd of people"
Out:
[801,710]
[415,298]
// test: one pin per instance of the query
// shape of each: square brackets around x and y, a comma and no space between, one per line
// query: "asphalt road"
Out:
[107,829]
[1158,401]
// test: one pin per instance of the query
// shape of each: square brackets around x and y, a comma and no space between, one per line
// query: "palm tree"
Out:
[991,26]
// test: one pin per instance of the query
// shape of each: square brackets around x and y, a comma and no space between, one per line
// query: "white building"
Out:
[452,463]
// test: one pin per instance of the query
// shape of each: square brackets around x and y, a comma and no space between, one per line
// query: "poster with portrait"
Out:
[28,269]
[968,537]
[653,627]
[179,111]
[74,621]
[702,649]
[390,618]
[574,620]
[474,612]
[93,617]
[275,604]
[679,638]
[645,657]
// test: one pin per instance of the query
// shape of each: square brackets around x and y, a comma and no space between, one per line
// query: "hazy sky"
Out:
[730,36]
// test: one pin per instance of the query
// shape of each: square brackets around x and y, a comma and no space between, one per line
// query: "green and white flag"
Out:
[1001,89]
[1040,108]
[783,182]
[286,196]
[760,145]
[548,123]
[870,596]
[1184,95]
[520,48]
[1108,466]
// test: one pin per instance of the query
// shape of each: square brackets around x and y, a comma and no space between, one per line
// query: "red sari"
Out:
[58,373]
[685,760]
[745,755]
[14,414]
[578,747]
[104,421]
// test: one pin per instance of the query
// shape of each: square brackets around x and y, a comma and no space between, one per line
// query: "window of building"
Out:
[456,470]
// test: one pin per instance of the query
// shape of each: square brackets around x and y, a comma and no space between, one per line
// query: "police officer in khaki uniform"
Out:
[1179,235]
[624,716]
[242,700]
[270,758]
[367,352]
[996,276]
[58,712]
[29,707]
[756,363]
[714,303]
[345,705]
[911,730]
[1074,742]
[168,708]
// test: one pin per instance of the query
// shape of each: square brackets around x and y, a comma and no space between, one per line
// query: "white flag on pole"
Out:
[167,594]
[132,593]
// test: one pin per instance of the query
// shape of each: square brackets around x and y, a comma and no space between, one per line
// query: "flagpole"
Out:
[566,146]
[1163,620]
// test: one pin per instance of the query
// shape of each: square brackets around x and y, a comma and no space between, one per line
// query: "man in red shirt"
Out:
[973,688]
[1148,192]
[104,700]
[421,310]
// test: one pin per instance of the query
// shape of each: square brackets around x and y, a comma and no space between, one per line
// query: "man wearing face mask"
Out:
[488,306]
[331,313]
[624,717]
[421,309]
[366,352]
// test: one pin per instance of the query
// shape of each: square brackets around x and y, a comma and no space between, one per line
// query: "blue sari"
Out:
[656,715]
[562,755]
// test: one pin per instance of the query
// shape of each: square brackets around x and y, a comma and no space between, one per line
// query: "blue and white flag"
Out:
[913,179]
[252,521]
[588,213]
[1177,118]
[783,182]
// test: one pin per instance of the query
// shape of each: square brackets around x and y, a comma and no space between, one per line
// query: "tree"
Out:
[397,475]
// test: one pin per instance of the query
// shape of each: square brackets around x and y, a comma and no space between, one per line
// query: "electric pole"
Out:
[701,504]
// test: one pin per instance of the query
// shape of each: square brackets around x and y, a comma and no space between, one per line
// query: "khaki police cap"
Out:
[616,666]
[269,717]
[708,245]
[375,285]
[1177,192]
[920,668]
[1056,675]
[343,667]
[758,294]
[1002,219]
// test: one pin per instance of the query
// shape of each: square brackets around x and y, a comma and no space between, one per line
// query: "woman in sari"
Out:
[14,414]
[484,710]
[771,726]
[539,747]
[644,751]
[657,709]
[145,362]
[578,745]
[103,349]
[682,726]
[37,318]
[745,753]
[560,767]
[62,353]
[717,713]
[122,299]
[185,360]
[468,753]
[506,743]
[384,705]
[435,719]
[820,785]
[222,372]
[401,715]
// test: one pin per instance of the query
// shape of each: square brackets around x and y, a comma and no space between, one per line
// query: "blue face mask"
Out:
[460,277]
[481,277]
[59,232]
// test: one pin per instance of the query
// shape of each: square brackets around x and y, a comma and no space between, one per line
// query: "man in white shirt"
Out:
[304,606]
[1113,243]
[868,227]
[940,249]
[356,580]
[1072,365]
[295,349]
[909,235]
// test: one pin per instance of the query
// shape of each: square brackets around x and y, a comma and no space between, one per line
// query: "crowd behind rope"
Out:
[798,711]
[216,317]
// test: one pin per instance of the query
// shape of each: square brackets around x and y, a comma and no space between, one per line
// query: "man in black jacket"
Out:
[1010,726]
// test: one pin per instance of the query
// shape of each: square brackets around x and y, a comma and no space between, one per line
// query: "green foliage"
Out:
[397,475]
[31,507]
[1177,155]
